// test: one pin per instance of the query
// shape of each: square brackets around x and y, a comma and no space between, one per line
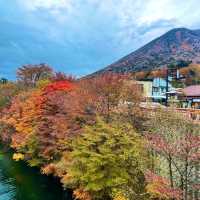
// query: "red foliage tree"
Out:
[159,187]
[54,121]
[177,140]
[63,85]
[59,76]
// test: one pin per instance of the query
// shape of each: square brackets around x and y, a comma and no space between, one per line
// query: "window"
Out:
[163,89]
[155,89]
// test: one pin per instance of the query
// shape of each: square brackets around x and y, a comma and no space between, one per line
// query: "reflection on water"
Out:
[19,182]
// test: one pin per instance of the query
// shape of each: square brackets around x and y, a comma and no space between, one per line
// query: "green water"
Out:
[20,182]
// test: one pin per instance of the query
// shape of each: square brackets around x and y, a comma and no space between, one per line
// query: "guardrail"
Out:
[190,113]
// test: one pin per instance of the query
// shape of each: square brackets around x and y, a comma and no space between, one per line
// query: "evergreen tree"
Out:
[107,160]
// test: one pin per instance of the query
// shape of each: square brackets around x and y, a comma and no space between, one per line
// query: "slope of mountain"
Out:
[175,45]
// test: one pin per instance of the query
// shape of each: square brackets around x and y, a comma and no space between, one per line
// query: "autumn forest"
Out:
[93,135]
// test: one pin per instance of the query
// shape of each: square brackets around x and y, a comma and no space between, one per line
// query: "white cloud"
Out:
[46,4]
[154,17]
[95,32]
[134,18]
[128,12]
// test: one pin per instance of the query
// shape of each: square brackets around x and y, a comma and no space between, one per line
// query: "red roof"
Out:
[191,91]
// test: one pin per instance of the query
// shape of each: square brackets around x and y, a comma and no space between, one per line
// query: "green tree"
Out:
[107,160]
[3,81]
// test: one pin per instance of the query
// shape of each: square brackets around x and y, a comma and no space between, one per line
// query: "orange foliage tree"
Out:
[38,121]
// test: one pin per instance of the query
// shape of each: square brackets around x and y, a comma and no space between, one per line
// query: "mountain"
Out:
[178,44]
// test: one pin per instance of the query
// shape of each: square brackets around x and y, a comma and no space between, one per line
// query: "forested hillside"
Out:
[175,46]
[93,135]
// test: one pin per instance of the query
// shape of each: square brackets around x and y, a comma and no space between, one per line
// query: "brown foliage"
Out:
[30,74]
[80,194]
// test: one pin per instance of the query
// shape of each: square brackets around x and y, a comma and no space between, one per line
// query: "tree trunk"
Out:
[196,192]
[170,172]
[108,109]
[186,180]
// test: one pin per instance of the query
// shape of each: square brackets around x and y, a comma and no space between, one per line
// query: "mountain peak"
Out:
[182,29]
[175,45]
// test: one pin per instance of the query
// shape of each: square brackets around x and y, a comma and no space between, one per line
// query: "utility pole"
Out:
[167,86]
[170,71]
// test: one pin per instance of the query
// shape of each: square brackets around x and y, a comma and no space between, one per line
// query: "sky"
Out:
[81,36]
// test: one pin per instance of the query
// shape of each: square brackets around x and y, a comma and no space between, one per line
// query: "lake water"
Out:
[20,182]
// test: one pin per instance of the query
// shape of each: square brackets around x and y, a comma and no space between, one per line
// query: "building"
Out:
[146,88]
[155,89]
[173,97]
[190,97]
[159,89]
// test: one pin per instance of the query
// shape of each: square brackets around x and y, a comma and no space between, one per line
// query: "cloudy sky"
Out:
[82,36]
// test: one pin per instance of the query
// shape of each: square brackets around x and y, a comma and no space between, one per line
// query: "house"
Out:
[146,88]
[190,97]
[173,97]
[159,89]
[155,89]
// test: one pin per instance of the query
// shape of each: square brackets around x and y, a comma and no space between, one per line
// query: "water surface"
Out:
[20,182]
